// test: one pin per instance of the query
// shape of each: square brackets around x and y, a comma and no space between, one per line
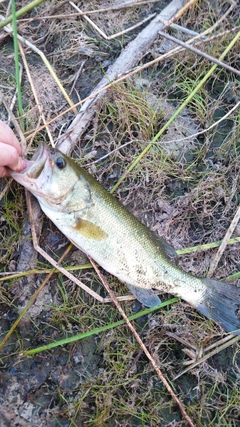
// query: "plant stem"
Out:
[16,56]
[21,12]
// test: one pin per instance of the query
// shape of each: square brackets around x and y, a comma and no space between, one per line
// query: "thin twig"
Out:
[177,112]
[36,17]
[21,12]
[30,303]
[131,55]
[35,93]
[7,186]
[129,74]
[88,12]
[181,12]
[46,62]
[20,134]
[15,94]
[199,52]
[113,36]
[224,243]
[16,125]
[195,349]
[76,77]
[142,345]
[217,23]
[184,30]
[185,138]
[231,341]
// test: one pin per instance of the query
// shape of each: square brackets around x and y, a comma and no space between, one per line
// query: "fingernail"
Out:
[21,165]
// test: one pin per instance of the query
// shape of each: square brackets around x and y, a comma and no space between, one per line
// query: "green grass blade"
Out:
[21,12]
[97,330]
[16,57]
[206,246]
[177,112]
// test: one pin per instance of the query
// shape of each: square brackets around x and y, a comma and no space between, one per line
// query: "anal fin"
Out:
[145,296]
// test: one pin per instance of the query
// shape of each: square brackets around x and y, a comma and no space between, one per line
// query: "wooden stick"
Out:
[129,57]
[200,53]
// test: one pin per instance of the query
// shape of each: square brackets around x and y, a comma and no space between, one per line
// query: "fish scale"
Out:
[98,224]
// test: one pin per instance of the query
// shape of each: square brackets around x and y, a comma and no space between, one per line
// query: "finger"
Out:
[3,172]
[7,136]
[9,157]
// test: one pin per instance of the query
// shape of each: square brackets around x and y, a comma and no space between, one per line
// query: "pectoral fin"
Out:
[145,296]
[90,230]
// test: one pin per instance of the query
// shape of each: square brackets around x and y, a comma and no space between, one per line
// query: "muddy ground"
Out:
[186,191]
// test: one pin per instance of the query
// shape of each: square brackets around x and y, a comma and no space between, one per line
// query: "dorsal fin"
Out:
[168,250]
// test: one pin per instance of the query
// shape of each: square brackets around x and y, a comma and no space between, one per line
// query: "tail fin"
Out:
[222,304]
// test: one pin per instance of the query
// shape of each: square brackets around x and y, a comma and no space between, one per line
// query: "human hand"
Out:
[10,151]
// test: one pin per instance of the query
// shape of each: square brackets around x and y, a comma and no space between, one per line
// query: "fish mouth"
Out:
[36,165]
[37,172]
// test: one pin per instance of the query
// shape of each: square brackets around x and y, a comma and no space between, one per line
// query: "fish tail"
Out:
[222,303]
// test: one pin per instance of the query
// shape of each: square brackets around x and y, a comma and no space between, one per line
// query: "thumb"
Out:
[19,165]
[10,157]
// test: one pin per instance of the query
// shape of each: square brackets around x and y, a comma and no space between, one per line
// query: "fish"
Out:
[100,226]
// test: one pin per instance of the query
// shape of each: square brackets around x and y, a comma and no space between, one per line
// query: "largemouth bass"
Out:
[97,223]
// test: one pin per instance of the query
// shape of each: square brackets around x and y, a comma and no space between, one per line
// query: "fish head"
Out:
[49,175]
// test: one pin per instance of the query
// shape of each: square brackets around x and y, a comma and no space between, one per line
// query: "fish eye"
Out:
[60,163]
